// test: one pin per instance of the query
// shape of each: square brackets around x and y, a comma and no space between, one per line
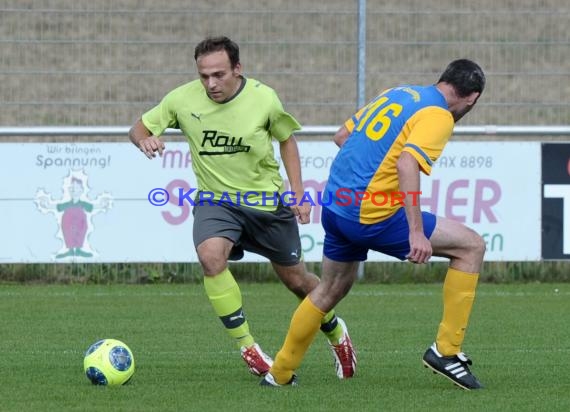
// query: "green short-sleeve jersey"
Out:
[230,142]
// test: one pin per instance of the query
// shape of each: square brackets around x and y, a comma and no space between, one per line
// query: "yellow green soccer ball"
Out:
[109,362]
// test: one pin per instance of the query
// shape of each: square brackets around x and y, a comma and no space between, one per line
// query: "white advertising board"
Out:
[91,202]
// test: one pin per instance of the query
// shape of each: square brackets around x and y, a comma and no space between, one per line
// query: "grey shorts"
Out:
[274,235]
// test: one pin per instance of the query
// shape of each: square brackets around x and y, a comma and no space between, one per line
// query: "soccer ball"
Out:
[109,362]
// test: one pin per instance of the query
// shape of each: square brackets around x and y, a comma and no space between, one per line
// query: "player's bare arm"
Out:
[290,157]
[341,136]
[145,141]
[409,179]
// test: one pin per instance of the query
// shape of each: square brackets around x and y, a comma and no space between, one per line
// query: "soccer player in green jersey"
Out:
[229,121]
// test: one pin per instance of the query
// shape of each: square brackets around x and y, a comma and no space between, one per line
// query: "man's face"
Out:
[464,106]
[460,112]
[216,74]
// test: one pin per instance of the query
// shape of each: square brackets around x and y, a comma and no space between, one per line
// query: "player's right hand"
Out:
[150,145]
[420,248]
[303,212]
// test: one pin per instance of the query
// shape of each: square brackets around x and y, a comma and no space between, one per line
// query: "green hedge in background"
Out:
[374,272]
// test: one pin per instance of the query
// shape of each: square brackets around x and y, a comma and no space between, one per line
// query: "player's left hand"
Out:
[303,212]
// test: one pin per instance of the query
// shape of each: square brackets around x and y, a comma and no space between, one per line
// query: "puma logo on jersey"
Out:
[196,115]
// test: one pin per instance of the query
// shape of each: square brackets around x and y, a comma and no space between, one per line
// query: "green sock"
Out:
[225,296]
[331,328]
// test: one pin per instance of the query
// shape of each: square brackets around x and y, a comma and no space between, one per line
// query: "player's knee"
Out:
[482,246]
[212,261]
[477,245]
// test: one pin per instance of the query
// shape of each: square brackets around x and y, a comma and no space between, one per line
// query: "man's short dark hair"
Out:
[465,76]
[215,44]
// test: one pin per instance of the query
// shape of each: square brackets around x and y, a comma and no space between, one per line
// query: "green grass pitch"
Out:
[519,339]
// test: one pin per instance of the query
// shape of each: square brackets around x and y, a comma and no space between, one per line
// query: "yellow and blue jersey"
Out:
[414,119]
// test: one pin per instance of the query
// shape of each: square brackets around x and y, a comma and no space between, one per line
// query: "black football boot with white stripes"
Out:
[455,368]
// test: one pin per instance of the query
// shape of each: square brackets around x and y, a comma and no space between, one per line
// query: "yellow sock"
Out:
[305,324]
[330,326]
[225,297]
[458,295]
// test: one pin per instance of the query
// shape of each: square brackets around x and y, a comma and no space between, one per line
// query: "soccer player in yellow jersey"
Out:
[372,202]
[230,121]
